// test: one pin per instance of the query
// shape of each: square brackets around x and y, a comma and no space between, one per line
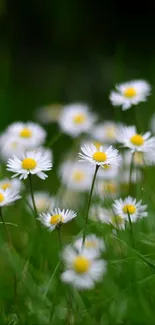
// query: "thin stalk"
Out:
[88,206]
[59,237]
[5,229]
[130,174]
[131,231]
[32,195]
[54,139]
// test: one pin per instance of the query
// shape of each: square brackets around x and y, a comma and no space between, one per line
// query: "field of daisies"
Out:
[77,235]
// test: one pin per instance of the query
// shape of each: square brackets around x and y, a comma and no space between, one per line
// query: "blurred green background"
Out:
[64,51]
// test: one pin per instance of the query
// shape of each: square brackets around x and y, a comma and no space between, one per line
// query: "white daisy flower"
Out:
[104,215]
[14,184]
[76,176]
[45,151]
[108,173]
[99,157]
[130,206]
[82,269]
[94,245]
[31,163]
[43,201]
[29,134]
[106,132]
[8,196]
[124,176]
[76,119]
[48,114]
[130,93]
[56,218]
[129,137]
[140,159]
[9,146]
[107,189]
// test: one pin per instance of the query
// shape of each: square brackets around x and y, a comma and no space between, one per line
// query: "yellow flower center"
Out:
[25,133]
[5,186]
[81,264]
[78,176]
[137,140]
[97,145]
[111,132]
[100,156]
[79,118]
[110,187]
[14,144]
[129,208]
[29,163]
[1,197]
[57,218]
[130,92]
[90,244]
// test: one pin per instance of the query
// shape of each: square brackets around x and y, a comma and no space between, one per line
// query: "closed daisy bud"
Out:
[43,201]
[92,243]
[56,218]
[130,206]
[130,138]
[83,270]
[100,157]
[130,93]
[29,134]
[31,163]
[75,119]
[8,196]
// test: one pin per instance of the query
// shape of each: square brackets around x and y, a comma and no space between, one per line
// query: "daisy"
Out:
[106,132]
[29,134]
[82,269]
[124,176]
[99,157]
[107,216]
[43,201]
[108,189]
[75,119]
[108,173]
[130,93]
[14,184]
[56,218]
[92,243]
[76,176]
[48,114]
[129,137]
[9,146]
[140,159]
[129,206]
[8,196]
[31,163]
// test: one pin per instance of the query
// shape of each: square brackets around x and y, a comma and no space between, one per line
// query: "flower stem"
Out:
[131,231]
[130,174]
[32,195]
[59,237]
[54,139]
[5,229]
[88,206]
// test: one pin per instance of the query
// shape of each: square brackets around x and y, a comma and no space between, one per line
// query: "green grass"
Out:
[30,288]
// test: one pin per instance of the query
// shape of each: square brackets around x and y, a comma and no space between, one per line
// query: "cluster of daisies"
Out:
[100,167]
